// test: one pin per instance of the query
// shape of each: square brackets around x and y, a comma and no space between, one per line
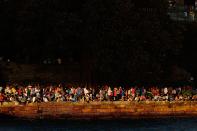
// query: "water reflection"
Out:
[164,124]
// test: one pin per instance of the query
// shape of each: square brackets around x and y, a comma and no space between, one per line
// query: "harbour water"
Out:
[153,124]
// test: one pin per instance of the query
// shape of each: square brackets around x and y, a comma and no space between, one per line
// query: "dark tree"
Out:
[131,40]
[112,40]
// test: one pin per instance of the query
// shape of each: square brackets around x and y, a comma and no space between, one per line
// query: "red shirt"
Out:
[19,92]
[115,93]
[1,97]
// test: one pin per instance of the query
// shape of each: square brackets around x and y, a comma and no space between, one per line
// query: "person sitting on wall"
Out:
[1,98]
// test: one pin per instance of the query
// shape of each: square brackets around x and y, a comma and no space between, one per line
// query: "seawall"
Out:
[100,110]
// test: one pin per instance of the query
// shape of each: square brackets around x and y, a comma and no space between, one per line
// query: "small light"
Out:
[191,78]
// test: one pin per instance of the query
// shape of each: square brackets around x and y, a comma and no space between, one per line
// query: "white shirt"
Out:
[165,90]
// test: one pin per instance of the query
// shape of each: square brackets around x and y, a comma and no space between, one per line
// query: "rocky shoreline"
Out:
[100,110]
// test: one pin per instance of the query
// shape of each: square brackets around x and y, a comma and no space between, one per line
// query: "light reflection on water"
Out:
[164,124]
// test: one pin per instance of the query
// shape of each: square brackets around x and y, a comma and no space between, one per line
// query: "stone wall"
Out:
[100,110]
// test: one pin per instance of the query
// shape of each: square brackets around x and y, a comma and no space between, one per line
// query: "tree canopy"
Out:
[118,40]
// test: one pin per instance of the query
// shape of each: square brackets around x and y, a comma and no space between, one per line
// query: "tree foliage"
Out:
[133,40]
[119,40]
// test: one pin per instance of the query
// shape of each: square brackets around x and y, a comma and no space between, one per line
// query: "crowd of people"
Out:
[56,93]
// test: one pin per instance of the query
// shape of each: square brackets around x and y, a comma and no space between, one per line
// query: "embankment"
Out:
[100,110]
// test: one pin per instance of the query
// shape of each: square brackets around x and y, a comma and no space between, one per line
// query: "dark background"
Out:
[113,41]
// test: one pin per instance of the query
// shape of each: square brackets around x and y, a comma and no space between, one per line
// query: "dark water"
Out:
[164,124]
